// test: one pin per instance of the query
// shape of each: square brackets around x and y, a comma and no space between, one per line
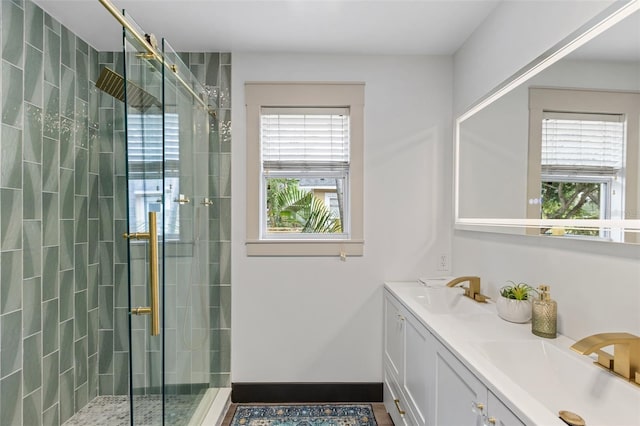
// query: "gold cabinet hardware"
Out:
[477,407]
[397,402]
[154,309]
[490,421]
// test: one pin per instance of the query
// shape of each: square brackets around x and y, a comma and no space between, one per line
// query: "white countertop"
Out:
[477,340]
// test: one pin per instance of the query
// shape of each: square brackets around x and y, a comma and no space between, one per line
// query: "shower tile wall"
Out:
[113,335]
[63,271]
[48,194]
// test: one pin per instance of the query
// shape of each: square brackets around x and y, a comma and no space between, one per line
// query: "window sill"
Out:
[305,248]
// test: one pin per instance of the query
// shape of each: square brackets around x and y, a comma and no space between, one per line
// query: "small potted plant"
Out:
[514,303]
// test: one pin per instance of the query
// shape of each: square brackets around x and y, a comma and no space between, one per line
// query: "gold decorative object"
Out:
[544,317]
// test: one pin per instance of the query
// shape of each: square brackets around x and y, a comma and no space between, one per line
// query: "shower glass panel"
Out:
[167,132]
[145,201]
[187,342]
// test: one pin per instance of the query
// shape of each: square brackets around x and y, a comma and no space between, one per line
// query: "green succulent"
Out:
[518,291]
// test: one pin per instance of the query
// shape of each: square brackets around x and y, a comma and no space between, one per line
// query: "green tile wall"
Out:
[63,270]
[48,369]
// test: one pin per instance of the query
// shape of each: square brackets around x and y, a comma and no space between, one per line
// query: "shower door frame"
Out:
[145,292]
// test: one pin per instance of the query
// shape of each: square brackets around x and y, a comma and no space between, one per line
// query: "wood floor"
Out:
[382,417]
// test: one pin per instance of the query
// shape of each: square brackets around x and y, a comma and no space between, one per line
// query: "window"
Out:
[580,164]
[304,168]
[305,156]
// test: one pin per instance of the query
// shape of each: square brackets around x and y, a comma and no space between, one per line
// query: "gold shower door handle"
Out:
[154,309]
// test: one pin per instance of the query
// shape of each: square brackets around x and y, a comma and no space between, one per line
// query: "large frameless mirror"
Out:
[555,149]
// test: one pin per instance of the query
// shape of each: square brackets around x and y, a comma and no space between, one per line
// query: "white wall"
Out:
[320,319]
[597,285]
[513,35]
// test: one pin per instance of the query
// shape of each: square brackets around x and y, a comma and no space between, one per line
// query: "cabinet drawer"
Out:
[393,401]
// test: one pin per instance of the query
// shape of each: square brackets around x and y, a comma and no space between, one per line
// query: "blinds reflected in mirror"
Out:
[579,143]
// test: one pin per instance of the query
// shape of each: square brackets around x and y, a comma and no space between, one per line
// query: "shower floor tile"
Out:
[114,411]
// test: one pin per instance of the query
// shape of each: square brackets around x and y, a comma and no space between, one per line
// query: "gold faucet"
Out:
[473,291]
[625,360]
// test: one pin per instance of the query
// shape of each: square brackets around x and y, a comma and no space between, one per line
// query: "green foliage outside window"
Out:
[293,209]
[571,200]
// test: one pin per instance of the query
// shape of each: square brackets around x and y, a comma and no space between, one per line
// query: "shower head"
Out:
[112,83]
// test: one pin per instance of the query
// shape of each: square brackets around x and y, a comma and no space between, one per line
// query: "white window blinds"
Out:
[583,143]
[144,144]
[304,138]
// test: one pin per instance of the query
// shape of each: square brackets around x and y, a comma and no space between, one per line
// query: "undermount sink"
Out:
[445,300]
[562,380]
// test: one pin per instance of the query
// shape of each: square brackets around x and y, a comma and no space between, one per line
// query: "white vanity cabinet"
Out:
[425,384]
[408,355]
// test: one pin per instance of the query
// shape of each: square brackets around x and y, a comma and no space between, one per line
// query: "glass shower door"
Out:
[146,218]
[172,352]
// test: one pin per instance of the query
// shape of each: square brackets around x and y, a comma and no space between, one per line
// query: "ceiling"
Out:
[431,27]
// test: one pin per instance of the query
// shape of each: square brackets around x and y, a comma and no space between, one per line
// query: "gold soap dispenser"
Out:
[544,321]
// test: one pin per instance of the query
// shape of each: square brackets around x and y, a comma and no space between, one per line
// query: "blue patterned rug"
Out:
[304,415]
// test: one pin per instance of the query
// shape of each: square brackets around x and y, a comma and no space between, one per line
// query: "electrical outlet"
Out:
[443,263]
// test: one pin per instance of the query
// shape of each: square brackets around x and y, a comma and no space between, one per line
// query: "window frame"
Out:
[304,95]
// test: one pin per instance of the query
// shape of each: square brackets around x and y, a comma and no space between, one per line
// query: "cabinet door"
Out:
[393,336]
[419,370]
[498,414]
[458,391]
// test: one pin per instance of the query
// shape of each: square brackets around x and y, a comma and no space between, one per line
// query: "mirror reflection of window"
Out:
[582,175]
[589,141]
[147,159]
